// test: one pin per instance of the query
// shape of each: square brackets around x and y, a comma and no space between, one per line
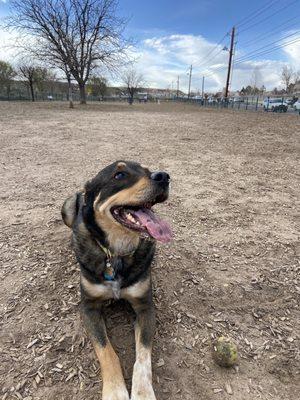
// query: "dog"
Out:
[114,230]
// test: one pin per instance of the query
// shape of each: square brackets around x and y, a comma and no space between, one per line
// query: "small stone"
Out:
[32,343]
[218,391]
[228,388]
[160,363]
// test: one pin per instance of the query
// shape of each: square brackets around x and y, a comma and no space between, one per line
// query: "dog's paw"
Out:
[143,391]
[142,384]
[115,394]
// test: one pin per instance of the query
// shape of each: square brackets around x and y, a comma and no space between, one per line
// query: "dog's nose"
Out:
[160,176]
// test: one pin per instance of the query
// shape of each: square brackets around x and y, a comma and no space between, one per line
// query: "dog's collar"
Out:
[109,272]
[110,254]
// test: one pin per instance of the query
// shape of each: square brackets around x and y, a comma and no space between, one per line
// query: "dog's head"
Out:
[121,197]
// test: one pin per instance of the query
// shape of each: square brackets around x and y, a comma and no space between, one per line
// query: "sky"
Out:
[170,35]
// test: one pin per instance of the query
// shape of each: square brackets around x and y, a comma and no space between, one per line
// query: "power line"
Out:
[210,59]
[207,58]
[274,30]
[267,51]
[204,61]
[263,47]
[246,20]
[252,54]
[254,14]
[268,17]
[260,51]
[211,73]
[249,58]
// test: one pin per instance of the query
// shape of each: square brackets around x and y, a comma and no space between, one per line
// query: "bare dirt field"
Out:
[232,269]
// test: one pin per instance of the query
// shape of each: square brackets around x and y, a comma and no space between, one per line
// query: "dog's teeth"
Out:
[130,217]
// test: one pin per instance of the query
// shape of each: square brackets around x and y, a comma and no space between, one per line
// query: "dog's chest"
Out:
[111,289]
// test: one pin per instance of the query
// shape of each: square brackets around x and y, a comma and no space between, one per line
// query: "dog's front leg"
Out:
[114,387]
[144,331]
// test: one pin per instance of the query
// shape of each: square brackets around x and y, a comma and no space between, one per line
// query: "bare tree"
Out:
[35,77]
[79,34]
[7,74]
[297,76]
[256,79]
[287,75]
[133,82]
[28,72]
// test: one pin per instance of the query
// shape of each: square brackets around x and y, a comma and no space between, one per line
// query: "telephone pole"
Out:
[229,62]
[202,88]
[177,94]
[190,80]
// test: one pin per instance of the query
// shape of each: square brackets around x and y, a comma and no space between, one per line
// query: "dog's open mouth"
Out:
[143,220]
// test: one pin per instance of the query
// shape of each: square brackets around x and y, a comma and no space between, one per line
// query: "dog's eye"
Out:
[120,175]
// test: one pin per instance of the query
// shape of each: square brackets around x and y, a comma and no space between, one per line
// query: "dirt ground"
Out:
[232,269]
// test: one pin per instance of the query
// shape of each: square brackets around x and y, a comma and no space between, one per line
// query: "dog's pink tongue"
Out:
[157,228]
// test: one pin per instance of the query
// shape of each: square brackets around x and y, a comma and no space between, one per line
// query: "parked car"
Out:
[211,100]
[275,105]
[297,105]
[236,99]
[289,102]
[196,97]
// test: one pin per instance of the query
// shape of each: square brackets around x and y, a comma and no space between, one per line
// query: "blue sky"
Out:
[171,35]
[198,17]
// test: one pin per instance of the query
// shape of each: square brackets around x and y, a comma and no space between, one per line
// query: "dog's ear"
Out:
[70,209]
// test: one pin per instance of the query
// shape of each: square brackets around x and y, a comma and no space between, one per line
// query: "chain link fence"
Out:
[277,104]
[282,104]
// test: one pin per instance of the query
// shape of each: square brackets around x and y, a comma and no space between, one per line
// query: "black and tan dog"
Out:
[114,233]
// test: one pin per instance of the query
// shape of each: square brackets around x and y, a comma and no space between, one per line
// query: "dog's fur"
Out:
[88,214]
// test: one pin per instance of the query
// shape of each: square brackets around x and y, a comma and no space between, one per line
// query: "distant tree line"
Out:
[42,80]
[252,90]
[7,75]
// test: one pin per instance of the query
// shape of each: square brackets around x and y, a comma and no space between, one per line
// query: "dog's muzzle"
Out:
[161,178]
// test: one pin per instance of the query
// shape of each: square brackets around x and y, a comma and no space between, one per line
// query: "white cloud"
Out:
[292,50]
[161,59]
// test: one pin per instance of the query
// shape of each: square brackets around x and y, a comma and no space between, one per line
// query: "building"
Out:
[296,90]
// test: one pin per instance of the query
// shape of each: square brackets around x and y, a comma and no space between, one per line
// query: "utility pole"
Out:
[190,81]
[202,88]
[177,94]
[229,62]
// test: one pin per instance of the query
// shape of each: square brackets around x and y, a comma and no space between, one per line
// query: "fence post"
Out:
[256,105]
[247,104]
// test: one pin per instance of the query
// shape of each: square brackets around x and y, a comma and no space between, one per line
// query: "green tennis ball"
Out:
[225,352]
